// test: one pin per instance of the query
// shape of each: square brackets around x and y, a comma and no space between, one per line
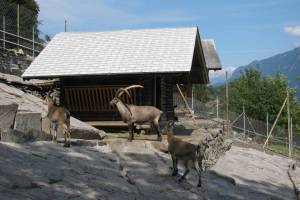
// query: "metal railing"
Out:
[18,29]
[31,46]
[243,126]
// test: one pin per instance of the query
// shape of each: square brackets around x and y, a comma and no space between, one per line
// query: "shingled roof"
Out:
[165,50]
[210,53]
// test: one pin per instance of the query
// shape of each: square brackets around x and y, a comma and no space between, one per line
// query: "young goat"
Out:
[59,120]
[187,152]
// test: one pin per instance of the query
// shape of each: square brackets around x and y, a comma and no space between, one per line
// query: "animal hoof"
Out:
[174,173]
[199,185]
[129,139]
[159,139]
[67,145]
[181,179]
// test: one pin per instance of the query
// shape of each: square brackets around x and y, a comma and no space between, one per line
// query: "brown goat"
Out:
[187,152]
[133,115]
[59,120]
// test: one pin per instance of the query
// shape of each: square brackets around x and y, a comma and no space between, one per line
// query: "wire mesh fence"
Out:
[242,126]
[18,29]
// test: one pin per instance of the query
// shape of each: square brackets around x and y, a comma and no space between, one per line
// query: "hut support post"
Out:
[185,101]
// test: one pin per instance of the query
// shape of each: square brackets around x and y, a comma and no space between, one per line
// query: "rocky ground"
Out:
[114,168]
[117,169]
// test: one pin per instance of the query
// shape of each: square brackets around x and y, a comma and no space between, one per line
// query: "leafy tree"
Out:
[261,94]
[28,11]
[203,93]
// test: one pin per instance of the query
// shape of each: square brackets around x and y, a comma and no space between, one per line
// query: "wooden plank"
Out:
[82,97]
[90,103]
[107,123]
[101,96]
[94,98]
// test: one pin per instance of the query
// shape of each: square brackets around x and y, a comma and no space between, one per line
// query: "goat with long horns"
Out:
[132,114]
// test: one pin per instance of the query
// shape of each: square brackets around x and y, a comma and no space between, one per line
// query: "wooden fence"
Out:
[94,99]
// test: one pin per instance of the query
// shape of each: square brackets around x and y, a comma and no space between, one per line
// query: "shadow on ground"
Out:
[120,170]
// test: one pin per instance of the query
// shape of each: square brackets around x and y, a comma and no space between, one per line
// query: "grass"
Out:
[283,149]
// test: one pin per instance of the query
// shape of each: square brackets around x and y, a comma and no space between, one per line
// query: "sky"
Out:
[243,30]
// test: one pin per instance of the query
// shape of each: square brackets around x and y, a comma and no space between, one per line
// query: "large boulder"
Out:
[26,121]
[79,130]
[7,115]
[30,103]
[16,136]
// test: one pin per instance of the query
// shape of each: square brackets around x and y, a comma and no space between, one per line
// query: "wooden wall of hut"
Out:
[83,95]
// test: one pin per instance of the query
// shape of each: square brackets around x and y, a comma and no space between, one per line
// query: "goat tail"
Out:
[68,120]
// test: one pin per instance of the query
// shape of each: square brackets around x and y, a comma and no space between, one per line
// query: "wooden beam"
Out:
[185,101]
[275,122]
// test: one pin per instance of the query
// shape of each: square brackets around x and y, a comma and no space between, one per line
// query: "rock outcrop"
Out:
[30,108]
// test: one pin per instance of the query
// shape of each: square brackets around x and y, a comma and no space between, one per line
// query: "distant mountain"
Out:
[287,63]
[218,77]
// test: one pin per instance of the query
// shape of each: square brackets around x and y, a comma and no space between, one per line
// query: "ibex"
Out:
[59,120]
[187,152]
[132,114]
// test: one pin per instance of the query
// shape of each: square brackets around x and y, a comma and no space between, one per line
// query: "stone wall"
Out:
[14,63]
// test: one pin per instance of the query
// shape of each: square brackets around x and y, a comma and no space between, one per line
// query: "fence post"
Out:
[227,99]
[3,21]
[292,149]
[33,41]
[18,24]
[289,120]
[244,121]
[65,25]
[267,124]
[217,108]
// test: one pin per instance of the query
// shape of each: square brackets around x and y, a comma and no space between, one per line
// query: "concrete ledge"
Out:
[7,115]
[16,136]
[27,121]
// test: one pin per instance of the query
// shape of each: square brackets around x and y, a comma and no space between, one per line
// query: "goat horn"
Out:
[121,91]
[134,86]
[170,123]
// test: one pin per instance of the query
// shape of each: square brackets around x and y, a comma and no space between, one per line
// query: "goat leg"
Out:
[51,131]
[175,169]
[156,126]
[198,166]
[187,170]
[55,131]
[67,135]
[67,141]
[184,175]
[131,136]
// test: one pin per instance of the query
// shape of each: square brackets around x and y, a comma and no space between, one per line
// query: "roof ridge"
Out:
[128,29]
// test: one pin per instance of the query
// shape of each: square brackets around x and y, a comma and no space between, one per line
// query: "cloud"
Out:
[219,75]
[296,44]
[94,15]
[293,30]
